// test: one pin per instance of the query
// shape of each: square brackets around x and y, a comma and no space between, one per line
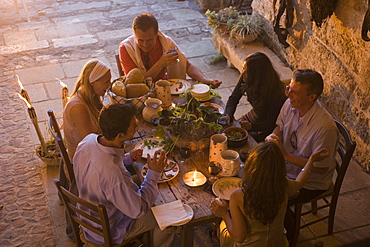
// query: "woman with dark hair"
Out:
[261,84]
[257,209]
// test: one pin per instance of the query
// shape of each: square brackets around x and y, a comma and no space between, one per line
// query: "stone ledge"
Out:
[236,52]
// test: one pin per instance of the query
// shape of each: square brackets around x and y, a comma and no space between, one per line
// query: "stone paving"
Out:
[60,38]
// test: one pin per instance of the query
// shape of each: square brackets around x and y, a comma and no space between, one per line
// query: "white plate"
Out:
[224,186]
[165,176]
[179,86]
[218,107]
[190,214]
[149,150]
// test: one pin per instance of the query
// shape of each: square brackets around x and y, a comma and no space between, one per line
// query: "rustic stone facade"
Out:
[337,51]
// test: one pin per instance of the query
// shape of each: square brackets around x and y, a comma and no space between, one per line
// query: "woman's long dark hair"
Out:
[260,81]
[264,183]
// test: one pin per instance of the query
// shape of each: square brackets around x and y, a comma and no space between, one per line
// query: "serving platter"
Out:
[149,146]
[179,86]
[223,187]
[165,176]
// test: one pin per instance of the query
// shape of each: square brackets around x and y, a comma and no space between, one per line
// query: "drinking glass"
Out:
[224,121]
[214,168]
[185,153]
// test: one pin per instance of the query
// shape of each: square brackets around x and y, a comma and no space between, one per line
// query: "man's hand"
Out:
[158,162]
[136,154]
[168,58]
[212,83]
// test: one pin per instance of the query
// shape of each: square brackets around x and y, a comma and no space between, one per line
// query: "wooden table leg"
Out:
[187,236]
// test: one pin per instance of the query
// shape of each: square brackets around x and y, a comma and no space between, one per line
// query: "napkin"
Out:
[169,214]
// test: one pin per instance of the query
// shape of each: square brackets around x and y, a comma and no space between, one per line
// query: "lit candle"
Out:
[65,96]
[33,116]
[23,91]
[194,179]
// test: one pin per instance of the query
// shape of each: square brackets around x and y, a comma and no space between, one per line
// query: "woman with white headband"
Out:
[80,115]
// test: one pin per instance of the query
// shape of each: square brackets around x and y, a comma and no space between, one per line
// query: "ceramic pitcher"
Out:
[151,109]
[230,163]
[163,92]
[218,143]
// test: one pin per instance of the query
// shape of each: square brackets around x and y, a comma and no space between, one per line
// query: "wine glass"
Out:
[185,153]
[214,168]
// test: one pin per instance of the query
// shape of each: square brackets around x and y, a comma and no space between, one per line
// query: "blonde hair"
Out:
[264,183]
[83,89]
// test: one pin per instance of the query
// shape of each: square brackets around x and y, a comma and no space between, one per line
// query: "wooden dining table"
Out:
[198,198]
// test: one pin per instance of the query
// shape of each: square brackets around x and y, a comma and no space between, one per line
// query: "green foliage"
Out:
[247,25]
[193,121]
[225,16]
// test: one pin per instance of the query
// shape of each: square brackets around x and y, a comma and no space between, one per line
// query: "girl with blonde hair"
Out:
[80,115]
[258,208]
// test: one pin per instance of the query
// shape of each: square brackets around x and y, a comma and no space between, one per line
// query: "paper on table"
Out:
[169,214]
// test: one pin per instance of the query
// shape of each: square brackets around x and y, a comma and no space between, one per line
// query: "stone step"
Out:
[235,52]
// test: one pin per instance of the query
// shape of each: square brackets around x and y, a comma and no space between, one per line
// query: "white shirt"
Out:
[315,130]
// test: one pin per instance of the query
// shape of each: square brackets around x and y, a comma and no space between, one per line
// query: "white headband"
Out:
[98,71]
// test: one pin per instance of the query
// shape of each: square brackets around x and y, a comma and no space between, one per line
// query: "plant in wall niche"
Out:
[222,20]
[247,28]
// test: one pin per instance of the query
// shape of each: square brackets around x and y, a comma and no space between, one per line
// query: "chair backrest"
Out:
[96,214]
[346,147]
[119,66]
[55,132]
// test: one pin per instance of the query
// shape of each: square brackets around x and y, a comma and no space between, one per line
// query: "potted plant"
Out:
[222,20]
[247,28]
[190,125]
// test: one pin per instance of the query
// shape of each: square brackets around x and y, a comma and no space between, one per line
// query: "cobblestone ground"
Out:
[60,38]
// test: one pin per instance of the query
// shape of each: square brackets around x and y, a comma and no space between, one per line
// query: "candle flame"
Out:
[194,175]
[25,101]
[19,82]
[61,83]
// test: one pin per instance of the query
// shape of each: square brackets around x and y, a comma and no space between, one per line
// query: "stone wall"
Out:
[337,51]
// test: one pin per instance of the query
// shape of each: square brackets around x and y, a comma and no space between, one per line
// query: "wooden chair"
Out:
[119,66]
[95,214]
[55,132]
[346,147]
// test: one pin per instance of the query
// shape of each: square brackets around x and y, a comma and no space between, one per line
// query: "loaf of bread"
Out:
[135,77]
[136,90]
[119,88]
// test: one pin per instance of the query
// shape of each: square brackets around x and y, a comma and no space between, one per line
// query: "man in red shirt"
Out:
[156,54]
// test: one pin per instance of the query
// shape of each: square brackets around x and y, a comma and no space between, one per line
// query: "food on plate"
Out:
[135,77]
[151,143]
[169,166]
[235,135]
[166,175]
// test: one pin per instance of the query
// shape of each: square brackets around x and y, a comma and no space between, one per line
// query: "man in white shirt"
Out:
[303,127]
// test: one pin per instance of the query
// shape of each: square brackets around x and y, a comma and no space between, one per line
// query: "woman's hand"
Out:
[245,124]
[219,207]
[274,138]
[320,155]
[136,154]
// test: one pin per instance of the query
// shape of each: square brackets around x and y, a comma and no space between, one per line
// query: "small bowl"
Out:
[236,136]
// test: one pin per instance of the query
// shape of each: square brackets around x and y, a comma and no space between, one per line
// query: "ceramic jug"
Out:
[218,143]
[151,109]
[163,92]
[230,163]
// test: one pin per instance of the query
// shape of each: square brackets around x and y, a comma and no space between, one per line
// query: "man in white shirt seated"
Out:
[101,177]
[304,126]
